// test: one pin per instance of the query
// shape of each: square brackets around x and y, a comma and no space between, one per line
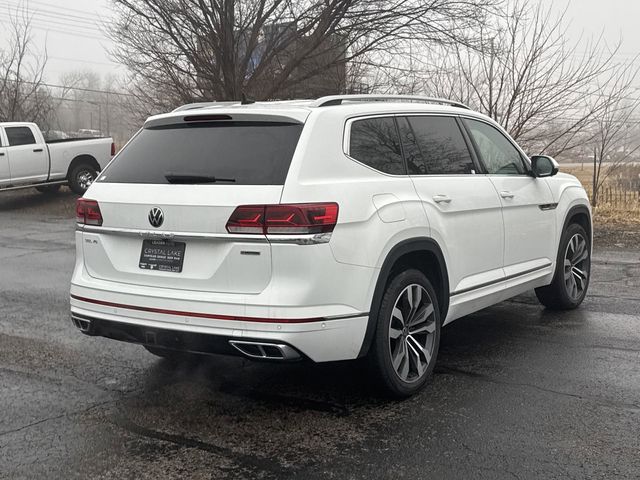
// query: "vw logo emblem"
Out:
[156,217]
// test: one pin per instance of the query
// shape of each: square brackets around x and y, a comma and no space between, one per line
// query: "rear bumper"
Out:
[320,339]
[200,343]
[312,303]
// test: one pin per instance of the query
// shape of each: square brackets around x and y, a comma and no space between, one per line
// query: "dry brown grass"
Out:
[607,213]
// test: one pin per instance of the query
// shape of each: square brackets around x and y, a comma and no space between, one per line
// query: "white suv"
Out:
[327,229]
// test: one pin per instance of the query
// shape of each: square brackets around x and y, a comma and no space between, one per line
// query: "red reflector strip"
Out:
[196,314]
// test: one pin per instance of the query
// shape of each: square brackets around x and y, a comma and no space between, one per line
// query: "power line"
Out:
[89,22]
[66,12]
[73,100]
[81,89]
[42,19]
[66,59]
[53,14]
[81,12]
[48,23]
[43,26]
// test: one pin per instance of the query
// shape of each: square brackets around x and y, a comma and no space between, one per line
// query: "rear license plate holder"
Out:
[162,255]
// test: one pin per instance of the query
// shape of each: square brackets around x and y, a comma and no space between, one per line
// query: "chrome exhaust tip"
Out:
[266,351]
[82,324]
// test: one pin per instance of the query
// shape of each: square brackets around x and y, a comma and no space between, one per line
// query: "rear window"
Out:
[256,153]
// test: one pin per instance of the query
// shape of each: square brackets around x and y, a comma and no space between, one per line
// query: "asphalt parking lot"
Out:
[519,392]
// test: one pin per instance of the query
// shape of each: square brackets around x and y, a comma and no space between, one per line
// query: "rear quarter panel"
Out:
[376,211]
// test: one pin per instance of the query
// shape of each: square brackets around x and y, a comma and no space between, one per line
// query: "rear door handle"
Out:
[1,154]
[442,199]
[37,150]
[507,195]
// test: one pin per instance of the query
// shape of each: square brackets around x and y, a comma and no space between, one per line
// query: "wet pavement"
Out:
[519,392]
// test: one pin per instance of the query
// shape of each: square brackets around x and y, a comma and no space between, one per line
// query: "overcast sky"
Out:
[74,41]
[71,31]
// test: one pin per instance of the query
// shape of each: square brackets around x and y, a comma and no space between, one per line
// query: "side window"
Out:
[498,154]
[442,148]
[20,136]
[375,142]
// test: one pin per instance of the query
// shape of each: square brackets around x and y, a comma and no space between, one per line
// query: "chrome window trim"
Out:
[346,140]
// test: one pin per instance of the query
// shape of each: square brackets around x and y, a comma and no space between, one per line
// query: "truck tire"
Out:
[81,177]
[48,189]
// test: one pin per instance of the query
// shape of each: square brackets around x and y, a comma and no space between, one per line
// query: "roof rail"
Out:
[194,106]
[339,99]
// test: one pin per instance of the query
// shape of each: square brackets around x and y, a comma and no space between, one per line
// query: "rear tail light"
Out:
[113,149]
[88,212]
[287,219]
[247,219]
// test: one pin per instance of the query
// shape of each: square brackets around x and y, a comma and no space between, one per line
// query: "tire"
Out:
[403,365]
[81,177]
[573,271]
[49,189]
[172,355]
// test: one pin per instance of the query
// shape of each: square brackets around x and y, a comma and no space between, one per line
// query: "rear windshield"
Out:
[256,153]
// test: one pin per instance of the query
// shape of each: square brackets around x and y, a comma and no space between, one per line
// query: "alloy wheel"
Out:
[85,179]
[576,266]
[412,333]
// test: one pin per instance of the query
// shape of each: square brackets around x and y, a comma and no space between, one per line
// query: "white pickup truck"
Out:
[27,160]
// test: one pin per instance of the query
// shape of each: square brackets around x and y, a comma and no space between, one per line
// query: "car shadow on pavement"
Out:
[474,343]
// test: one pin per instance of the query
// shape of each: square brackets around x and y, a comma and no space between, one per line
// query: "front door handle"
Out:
[442,199]
[1,154]
[37,150]
[507,195]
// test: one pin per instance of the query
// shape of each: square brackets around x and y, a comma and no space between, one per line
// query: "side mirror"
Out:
[544,166]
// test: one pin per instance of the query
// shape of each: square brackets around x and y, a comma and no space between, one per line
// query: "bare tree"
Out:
[615,139]
[179,51]
[23,95]
[526,75]
[89,100]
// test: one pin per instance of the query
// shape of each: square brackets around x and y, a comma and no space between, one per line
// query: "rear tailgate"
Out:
[166,199]
[194,217]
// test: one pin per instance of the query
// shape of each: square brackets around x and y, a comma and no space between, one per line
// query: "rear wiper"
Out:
[188,179]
